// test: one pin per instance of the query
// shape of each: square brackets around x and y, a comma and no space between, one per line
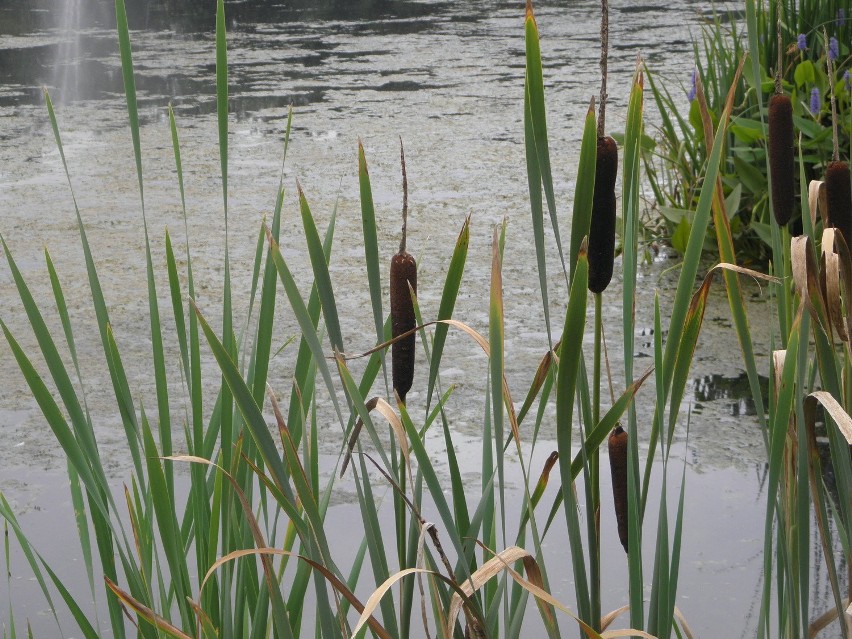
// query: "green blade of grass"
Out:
[303,383]
[160,381]
[583,195]
[371,243]
[306,324]
[566,383]
[321,274]
[450,293]
[538,120]
[536,209]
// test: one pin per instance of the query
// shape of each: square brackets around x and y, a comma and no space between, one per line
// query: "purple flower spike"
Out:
[816,101]
[833,49]
[693,89]
[841,17]
[802,42]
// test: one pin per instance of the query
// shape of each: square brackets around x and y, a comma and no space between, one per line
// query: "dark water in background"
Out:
[448,78]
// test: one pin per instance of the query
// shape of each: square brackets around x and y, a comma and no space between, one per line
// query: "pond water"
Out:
[448,78]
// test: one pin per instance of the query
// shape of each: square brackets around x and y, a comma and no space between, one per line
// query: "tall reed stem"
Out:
[594,470]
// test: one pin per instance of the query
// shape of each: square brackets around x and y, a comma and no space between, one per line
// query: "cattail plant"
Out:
[838,186]
[617,444]
[602,227]
[781,149]
[403,272]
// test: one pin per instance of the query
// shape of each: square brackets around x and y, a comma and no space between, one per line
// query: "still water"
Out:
[445,76]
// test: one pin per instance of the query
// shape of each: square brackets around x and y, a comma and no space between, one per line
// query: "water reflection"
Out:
[735,391]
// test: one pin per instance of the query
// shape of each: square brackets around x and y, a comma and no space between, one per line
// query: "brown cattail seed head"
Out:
[839,194]
[403,270]
[602,226]
[781,157]
[617,445]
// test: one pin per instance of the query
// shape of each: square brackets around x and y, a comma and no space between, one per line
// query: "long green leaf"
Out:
[566,383]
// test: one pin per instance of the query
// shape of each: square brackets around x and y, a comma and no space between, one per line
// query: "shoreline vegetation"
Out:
[247,548]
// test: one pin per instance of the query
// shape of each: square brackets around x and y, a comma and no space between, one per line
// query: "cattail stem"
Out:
[404,198]
[604,53]
[780,61]
[403,274]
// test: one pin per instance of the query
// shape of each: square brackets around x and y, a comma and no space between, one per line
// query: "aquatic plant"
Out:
[680,149]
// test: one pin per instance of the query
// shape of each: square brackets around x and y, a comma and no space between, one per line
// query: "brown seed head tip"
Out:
[551,461]
[591,107]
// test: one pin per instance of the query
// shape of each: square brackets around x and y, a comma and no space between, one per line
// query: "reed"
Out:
[403,274]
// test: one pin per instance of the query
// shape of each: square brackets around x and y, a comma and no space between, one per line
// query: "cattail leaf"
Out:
[491,568]
[160,381]
[541,375]
[248,407]
[566,383]
[371,243]
[838,416]
[723,211]
[689,338]
[386,410]
[583,194]
[538,119]
[164,507]
[322,278]
[306,324]
[630,214]
[160,623]
[536,209]
[599,433]
[362,408]
[779,424]
[452,285]
[303,378]
[56,422]
[830,283]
